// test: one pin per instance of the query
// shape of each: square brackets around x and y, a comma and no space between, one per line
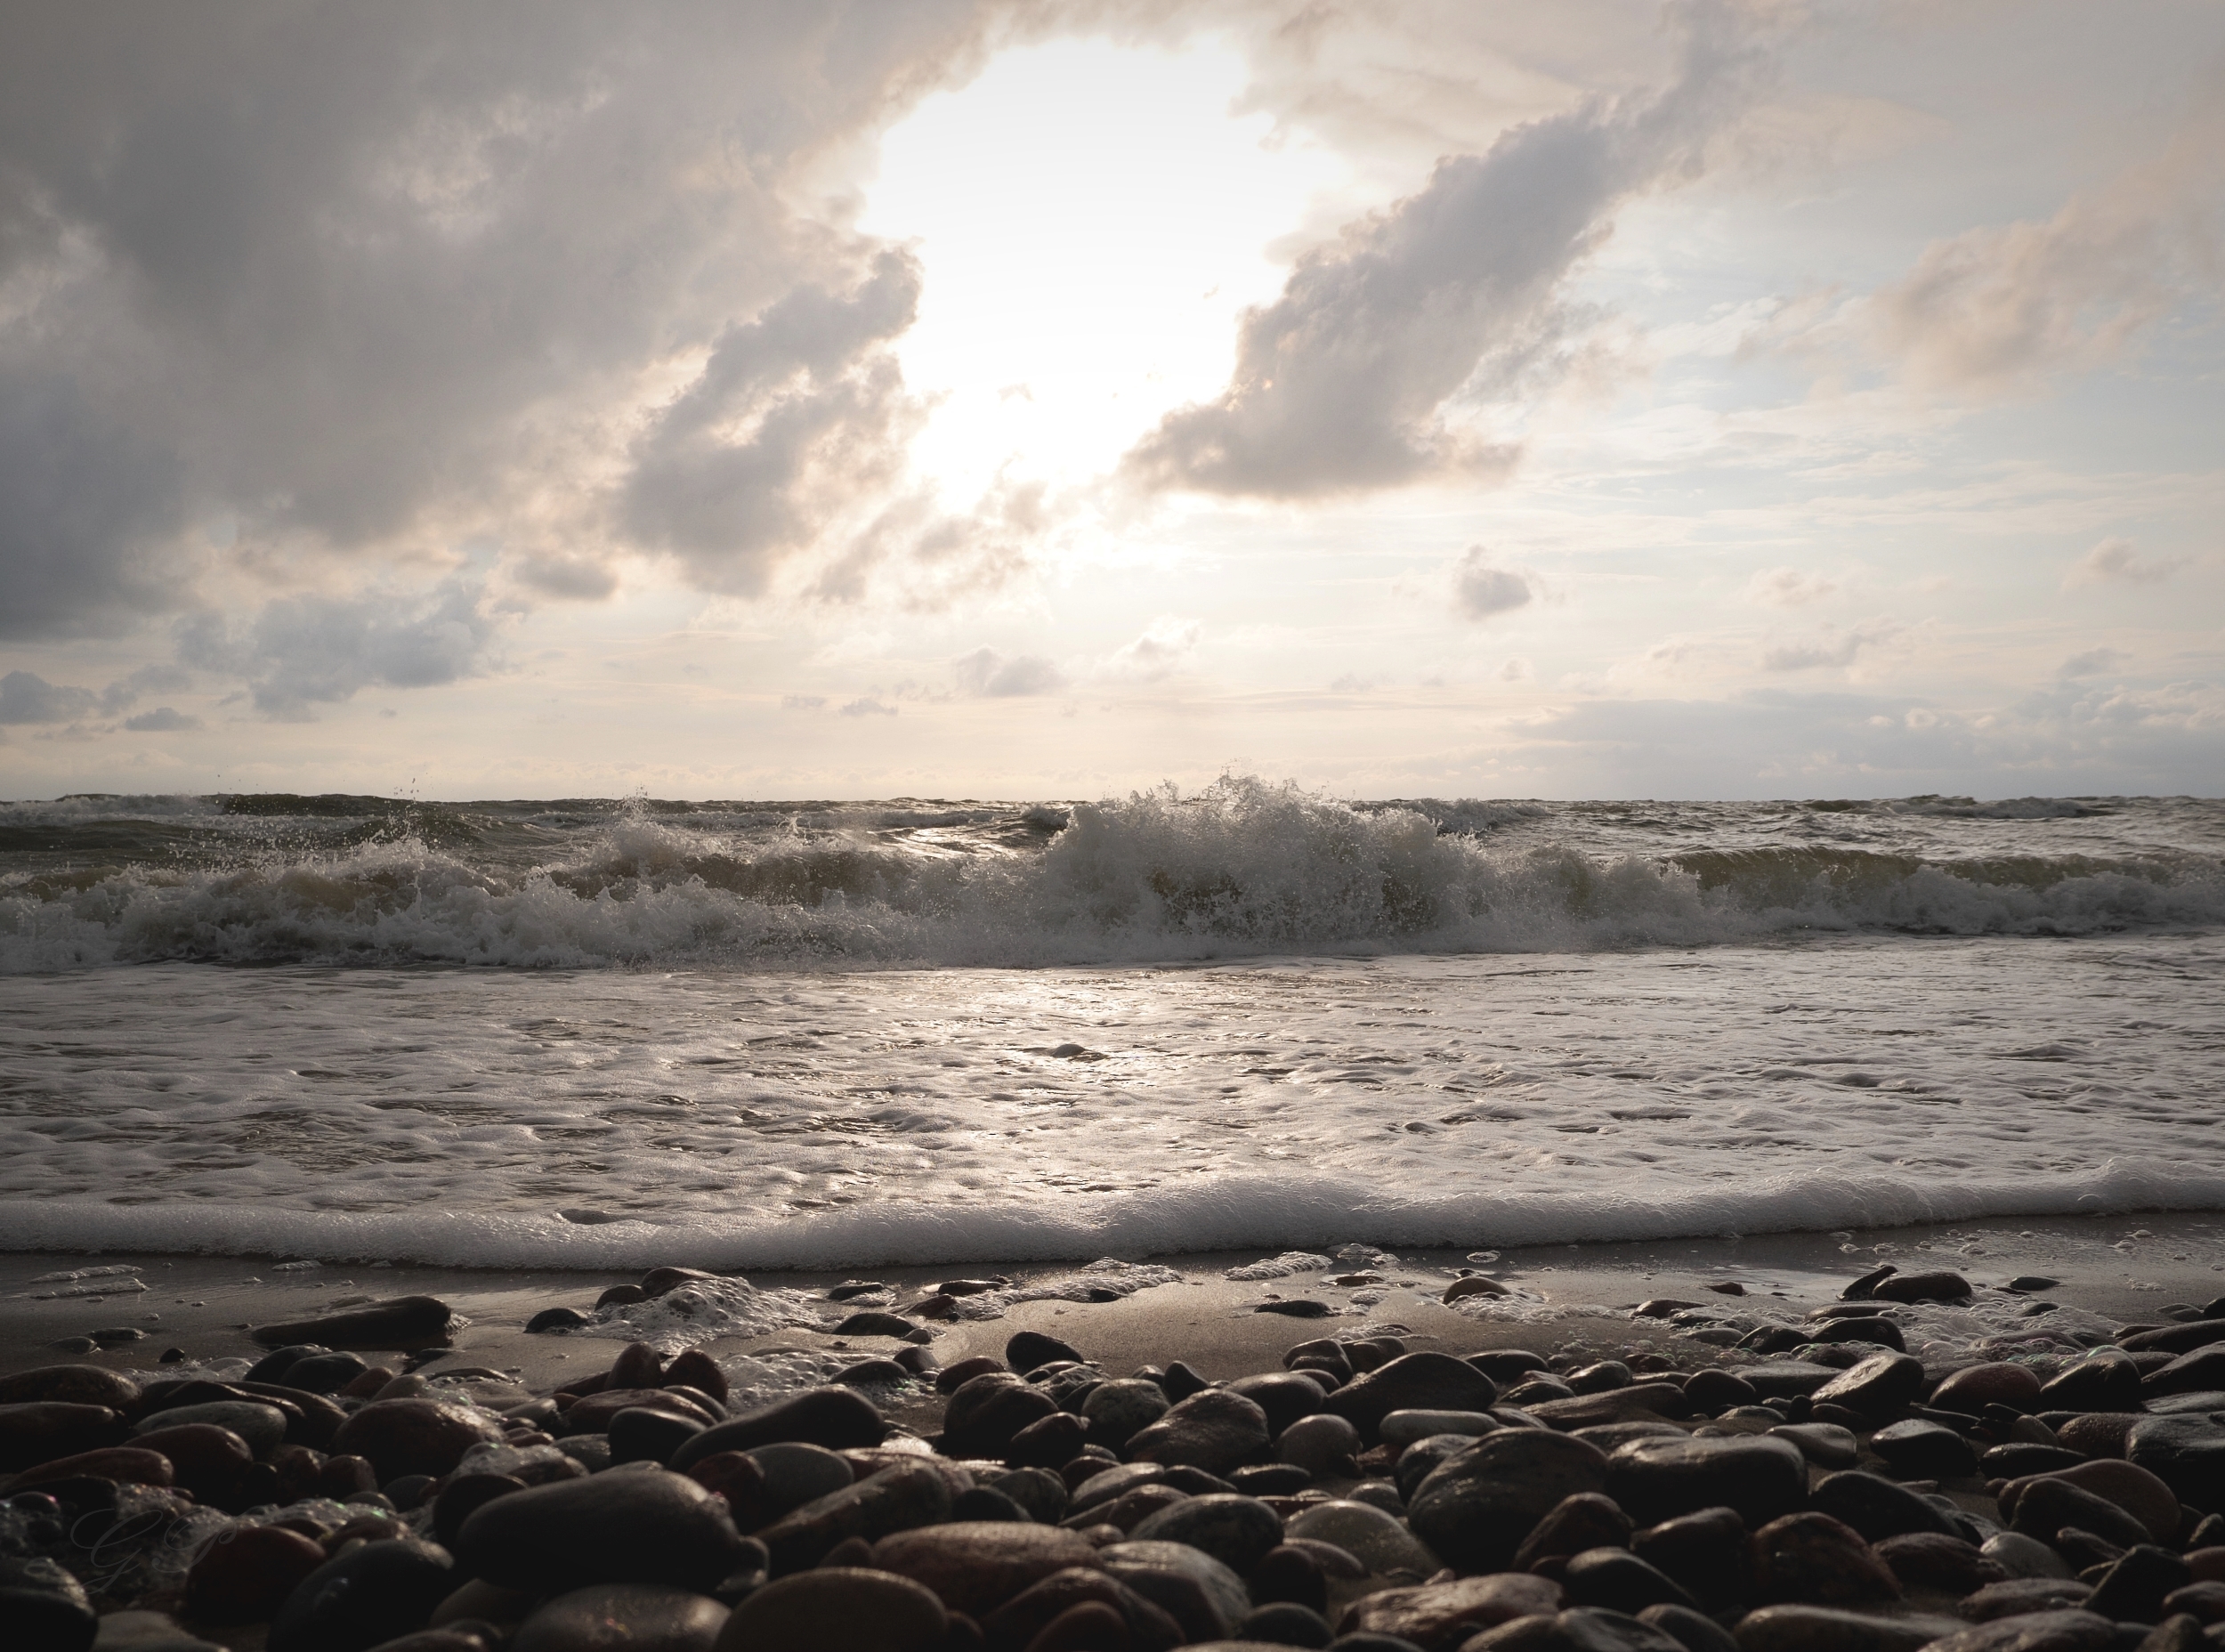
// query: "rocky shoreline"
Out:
[1776,1483]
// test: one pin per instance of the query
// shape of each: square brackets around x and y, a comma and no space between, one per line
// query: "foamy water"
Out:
[818,1036]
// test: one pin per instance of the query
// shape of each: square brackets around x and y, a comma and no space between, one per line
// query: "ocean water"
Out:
[817,1034]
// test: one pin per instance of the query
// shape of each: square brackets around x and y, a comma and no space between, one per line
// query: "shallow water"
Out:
[799,1117]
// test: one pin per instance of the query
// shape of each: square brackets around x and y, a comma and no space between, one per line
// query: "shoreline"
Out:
[2121,1269]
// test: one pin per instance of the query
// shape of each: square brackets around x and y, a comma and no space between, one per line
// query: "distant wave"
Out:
[1242,868]
[1298,1211]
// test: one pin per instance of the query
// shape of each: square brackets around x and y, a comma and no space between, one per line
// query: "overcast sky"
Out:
[963,398]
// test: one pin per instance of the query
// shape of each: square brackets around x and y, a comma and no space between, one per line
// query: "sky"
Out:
[1019,398]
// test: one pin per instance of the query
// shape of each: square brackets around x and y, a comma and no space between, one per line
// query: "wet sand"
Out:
[2121,1269]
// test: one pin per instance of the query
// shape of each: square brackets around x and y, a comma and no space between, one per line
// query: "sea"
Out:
[809,1034]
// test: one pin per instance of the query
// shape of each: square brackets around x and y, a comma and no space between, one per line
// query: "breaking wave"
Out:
[1243,866]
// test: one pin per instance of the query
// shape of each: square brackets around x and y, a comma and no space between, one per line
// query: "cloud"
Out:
[2003,307]
[868,707]
[1831,647]
[304,651]
[25,698]
[570,578]
[2093,662]
[1163,649]
[162,720]
[803,703]
[1787,588]
[993,676]
[1517,669]
[2116,561]
[1455,293]
[1481,591]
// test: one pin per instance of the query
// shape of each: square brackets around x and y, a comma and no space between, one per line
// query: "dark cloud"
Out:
[305,651]
[571,579]
[1455,293]
[25,698]
[868,707]
[1829,647]
[1481,590]
[993,676]
[2117,561]
[162,720]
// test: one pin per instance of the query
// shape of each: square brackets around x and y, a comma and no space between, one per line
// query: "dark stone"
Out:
[1715,1391]
[1029,1349]
[1215,1430]
[43,1607]
[557,1319]
[1437,1616]
[1117,1411]
[37,1431]
[1292,1574]
[1050,1442]
[1860,1289]
[1619,1581]
[405,1322]
[898,1499]
[640,1434]
[1706,1553]
[2185,1452]
[840,1607]
[1425,1381]
[324,1374]
[400,1437]
[631,1526]
[1181,1381]
[1937,1287]
[1273,1480]
[977,1567]
[1200,1593]
[247,1573]
[1575,1526]
[1691,1631]
[1286,1623]
[985,1502]
[1284,1398]
[2107,1380]
[871,1324]
[1478,1505]
[377,1593]
[1883,1332]
[1785,1379]
[655,1617]
[837,1418]
[1815,1559]
[1419,1460]
[76,1385]
[2133,1591]
[2178,1339]
[1918,1450]
[463,1497]
[1034,1609]
[2019,1458]
[1878,1509]
[1237,1530]
[2201,1371]
[1657,1479]
[1295,1308]
[985,1415]
[1931,1561]
[1877,1387]
[207,1461]
[2047,1505]
[2018,1597]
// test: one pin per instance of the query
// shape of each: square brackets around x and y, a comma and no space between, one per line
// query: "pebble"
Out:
[406,1323]
[1322,1445]
[838,1419]
[633,1617]
[1877,1387]
[2022,1596]
[1707,1553]
[854,1608]
[37,1431]
[1445,1615]
[1213,1430]
[1478,1504]
[1932,1561]
[1877,1508]
[1424,1381]
[363,1596]
[620,1526]
[1403,1428]
[1811,1557]
[976,1567]
[399,1437]
[1918,1449]
[1378,1540]
[247,1573]
[1825,1445]
[1974,1388]
[893,1500]
[1117,1411]
[1658,1479]
[1236,1530]
[2184,1450]
[1617,1580]
[262,1428]
[986,1414]
[1831,1629]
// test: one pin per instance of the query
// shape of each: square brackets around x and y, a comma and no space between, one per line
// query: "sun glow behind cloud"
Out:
[1092,221]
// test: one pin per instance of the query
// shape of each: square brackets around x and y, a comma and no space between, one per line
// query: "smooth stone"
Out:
[399,1437]
[1447,1615]
[1038,1491]
[42,1607]
[1403,1428]
[1693,1631]
[37,1431]
[2040,1631]
[1878,1333]
[1932,1287]
[1029,1350]
[1920,1449]
[1199,1592]
[1323,1445]
[1619,1581]
[2186,1451]
[1877,1508]
[1475,1507]
[2107,1380]
[405,1324]
[640,1434]
[2133,1590]
[1812,1559]
[793,1474]
[1787,1378]
[2019,1597]
[839,1608]
[1930,1560]
[988,1412]
[1236,1530]
[1974,1388]
[247,1573]
[1658,1479]
[1055,1599]
[1714,1391]
[1579,1629]
[1825,1445]
[74,1385]
[2045,1506]
[1378,1539]
[362,1597]
[838,1419]
[1284,1623]
[2023,1557]
[1213,1430]
[976,1567]
[1876,1387]
[1117,1411]
[1576,1526]
[126,1465]
[260,1428]
[633,1525]
[2017,1459]
[1284,1396]
[1707,1553]
[623,1617]
[1423,1381]
[147,1631]
[1829,1629]
[898,1499]
[2132,1488]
